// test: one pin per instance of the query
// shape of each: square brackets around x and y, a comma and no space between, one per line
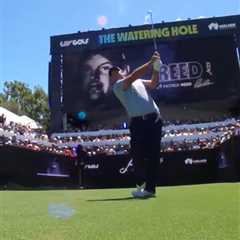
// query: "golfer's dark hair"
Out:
[113,69]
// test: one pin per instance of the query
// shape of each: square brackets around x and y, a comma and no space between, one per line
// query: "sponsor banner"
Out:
[138,34]
[74,42]
[32,168]
[215,26]
[191,161]
[174,168]
[146,34]
[124,170]
[91,166]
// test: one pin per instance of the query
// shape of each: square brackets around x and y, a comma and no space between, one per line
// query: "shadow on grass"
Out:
[111,199]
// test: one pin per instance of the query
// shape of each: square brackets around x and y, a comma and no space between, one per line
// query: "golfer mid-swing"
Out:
[145,122]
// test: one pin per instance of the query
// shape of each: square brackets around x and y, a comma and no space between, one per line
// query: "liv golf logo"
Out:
[74,42]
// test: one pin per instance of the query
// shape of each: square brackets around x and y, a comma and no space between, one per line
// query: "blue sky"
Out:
[26,26]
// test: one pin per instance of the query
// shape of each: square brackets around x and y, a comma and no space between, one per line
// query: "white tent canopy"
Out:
[24,120]
[10,116]
[27,121]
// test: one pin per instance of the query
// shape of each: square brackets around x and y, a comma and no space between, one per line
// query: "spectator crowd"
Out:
[176,137]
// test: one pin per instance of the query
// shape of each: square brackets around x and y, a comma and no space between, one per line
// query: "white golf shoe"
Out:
[142,194]
[140,187]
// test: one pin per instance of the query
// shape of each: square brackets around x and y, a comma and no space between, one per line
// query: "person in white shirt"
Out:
[145,121]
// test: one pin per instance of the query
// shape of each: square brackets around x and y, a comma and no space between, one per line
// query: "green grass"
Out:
[200,212]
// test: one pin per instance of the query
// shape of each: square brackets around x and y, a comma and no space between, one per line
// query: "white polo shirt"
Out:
[136,99]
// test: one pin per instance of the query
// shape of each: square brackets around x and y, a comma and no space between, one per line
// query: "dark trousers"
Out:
[145,149]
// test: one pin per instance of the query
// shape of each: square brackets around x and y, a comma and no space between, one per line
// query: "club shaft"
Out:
[154,38]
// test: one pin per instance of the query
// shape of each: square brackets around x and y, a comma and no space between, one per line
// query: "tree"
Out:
[40,107]
[20,99]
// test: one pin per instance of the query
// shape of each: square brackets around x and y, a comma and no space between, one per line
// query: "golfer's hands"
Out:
[155,57]
[156,61]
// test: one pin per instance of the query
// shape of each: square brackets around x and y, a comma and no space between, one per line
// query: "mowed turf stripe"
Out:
[199,212]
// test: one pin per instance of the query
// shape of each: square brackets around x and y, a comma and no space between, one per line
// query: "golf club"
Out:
[154,38]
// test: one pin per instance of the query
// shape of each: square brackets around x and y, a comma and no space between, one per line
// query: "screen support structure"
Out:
[55,93]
